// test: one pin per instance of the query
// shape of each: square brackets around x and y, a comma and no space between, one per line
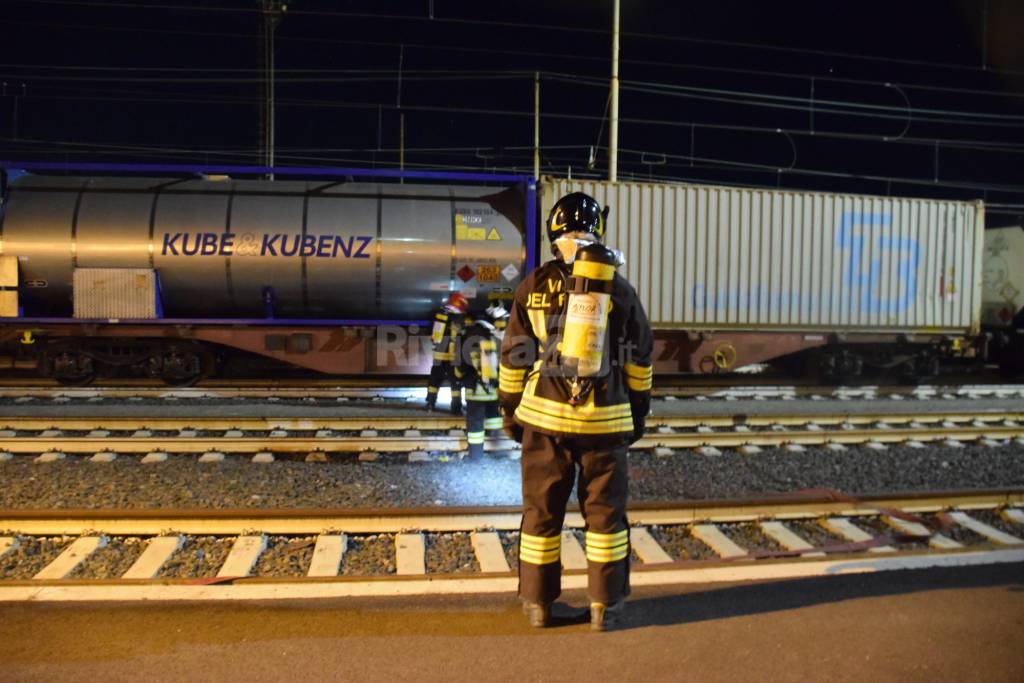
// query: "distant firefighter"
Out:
[448,324]
[575,387]
[480,347]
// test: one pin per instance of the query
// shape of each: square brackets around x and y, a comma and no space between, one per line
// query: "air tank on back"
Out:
[226,248]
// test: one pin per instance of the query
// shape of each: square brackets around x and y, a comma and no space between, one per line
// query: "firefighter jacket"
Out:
[445,335]
[479,362]
[532,384]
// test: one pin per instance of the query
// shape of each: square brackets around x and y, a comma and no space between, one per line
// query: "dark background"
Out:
[914,98]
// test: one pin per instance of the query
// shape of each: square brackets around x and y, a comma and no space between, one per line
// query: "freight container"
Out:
[1003,276]
[810,269]
[708,257]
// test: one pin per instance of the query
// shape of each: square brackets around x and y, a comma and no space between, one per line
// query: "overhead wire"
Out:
[206,7]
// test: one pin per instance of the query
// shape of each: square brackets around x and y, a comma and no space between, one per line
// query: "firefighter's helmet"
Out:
[576,212]
[458,301]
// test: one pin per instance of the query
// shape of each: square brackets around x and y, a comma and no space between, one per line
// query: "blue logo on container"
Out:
[867,281]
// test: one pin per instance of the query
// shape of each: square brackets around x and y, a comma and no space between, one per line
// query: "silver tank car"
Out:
[225,248]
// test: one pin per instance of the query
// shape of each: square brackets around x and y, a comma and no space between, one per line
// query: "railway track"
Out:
[52,438]
[405,392]
[224,555]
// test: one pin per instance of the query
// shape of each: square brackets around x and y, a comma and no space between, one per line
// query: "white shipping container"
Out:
[123,293]
[705,257]
[1003,275]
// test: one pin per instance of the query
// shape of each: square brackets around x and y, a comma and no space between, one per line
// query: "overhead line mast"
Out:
[273,11]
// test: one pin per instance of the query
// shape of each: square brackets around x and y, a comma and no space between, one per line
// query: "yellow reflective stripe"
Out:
[638,377]
[510,380]
[588,411]
[534,557]
[493,423]
[526,415]
[431,390]
[638,384]
[475,437]
[638,371]
[540,542]
[607,555]
[537,322]
[606,540]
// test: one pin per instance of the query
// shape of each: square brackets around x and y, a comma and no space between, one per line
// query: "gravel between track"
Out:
[286,556]
[32,554]
[237,483]
[112,560]
[369,555]
[200,556]
[450,554]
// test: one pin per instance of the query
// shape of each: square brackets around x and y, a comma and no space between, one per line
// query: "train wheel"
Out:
[73,369]
[838,367]
[183,367]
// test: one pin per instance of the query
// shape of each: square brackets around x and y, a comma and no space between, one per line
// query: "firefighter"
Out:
[448,323]
[478,373]
[574,387]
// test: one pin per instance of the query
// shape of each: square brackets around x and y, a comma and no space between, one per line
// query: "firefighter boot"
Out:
[538,614]
[606,617]
[456,405]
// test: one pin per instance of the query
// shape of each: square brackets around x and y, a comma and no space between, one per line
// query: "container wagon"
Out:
[832,284]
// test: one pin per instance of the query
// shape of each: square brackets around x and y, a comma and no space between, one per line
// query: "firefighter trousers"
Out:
[481,417]
[440,372]
[550,464]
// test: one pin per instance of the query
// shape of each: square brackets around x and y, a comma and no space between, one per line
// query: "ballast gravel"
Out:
[286,556]
[32,555]
[680,544]
[182,482]
[112,560]
[450,554]
[749,537]
[814,533]
[199,556]
[370,555]
[996,521]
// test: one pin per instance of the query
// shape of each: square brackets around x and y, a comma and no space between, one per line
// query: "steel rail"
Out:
[167,532]
[334,388]
[432,422]
[405,444]
[800,505]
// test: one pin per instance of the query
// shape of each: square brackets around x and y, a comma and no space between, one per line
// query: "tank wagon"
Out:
[166,271]
[160,276]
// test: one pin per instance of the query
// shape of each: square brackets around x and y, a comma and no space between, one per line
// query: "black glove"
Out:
[512,428]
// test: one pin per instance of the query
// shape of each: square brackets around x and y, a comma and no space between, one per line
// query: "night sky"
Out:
[913,98]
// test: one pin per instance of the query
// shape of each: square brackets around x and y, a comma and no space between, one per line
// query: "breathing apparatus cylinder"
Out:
[586,317]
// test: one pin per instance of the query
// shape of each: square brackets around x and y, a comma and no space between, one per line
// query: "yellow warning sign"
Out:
[494,235]
[465,230]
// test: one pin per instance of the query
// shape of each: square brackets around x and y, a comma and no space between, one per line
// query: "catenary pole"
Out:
[536,124]
[613,145]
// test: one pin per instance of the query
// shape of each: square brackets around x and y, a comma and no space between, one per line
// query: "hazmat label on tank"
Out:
[465,273]
[494,235]
[469,225]
[510,271]
[488,273]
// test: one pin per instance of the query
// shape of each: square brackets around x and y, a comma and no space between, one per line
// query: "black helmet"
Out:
[576,212]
